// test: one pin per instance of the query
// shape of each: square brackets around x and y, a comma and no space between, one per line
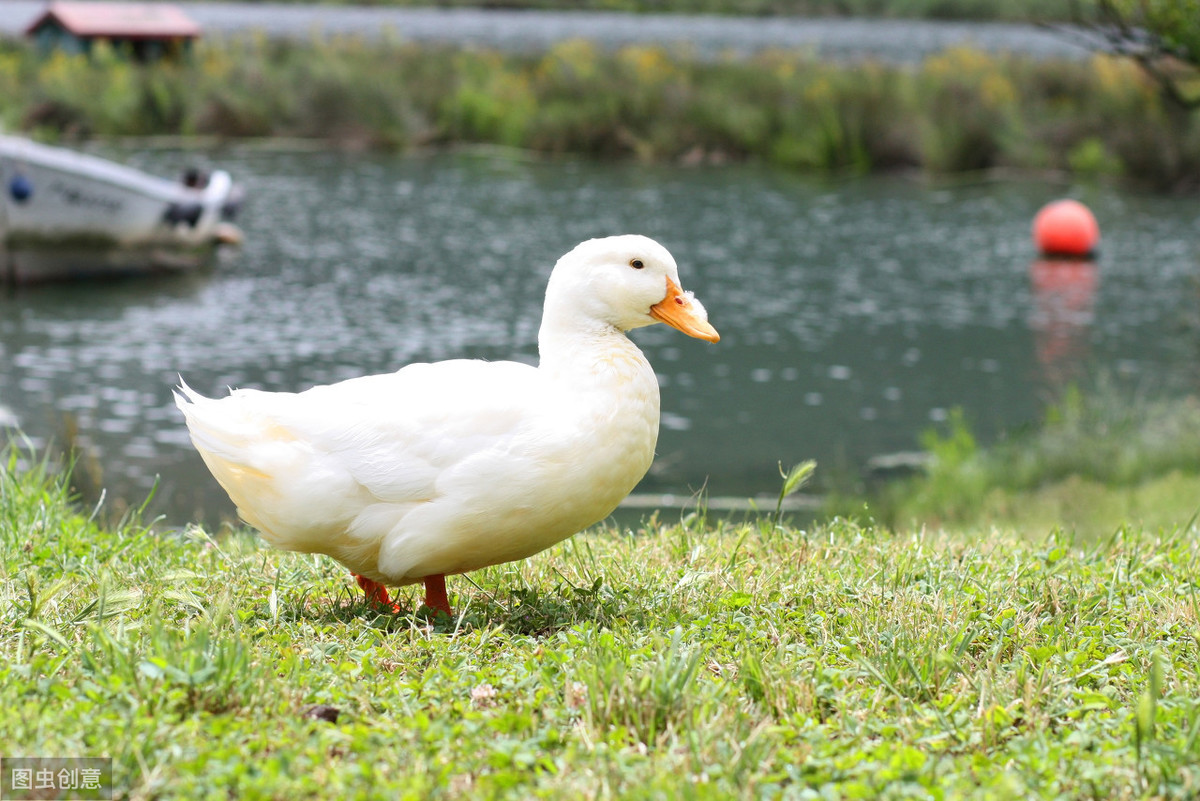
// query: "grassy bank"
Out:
[958,111]
[679,660]
[1096,461]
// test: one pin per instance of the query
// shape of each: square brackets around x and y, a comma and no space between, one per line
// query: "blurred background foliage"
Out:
[960,110]
[1011,10]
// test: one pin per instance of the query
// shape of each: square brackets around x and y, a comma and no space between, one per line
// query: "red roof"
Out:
[123,20]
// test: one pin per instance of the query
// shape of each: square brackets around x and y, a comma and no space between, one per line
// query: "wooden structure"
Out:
[146,31]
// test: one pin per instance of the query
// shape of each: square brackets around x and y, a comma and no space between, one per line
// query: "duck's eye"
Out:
[637,264]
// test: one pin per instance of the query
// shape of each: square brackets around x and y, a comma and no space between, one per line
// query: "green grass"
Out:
[692,659]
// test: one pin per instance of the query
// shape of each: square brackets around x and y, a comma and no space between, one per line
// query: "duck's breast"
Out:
[567,467]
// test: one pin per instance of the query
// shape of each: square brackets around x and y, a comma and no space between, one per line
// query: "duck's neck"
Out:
[592,353]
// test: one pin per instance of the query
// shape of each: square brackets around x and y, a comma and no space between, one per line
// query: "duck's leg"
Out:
[435,594]
[376,592]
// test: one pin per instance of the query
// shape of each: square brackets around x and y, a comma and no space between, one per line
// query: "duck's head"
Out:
[625,282]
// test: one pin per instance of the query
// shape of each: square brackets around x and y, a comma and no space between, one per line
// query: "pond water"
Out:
[853,314]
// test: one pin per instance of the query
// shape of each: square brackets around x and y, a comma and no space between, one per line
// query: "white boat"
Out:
[65,214]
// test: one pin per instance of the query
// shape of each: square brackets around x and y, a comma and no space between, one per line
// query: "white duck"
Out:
[448,467]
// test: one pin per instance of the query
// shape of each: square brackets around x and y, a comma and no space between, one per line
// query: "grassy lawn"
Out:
[682,659]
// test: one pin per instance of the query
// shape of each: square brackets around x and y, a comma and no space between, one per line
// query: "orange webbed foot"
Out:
[376,593]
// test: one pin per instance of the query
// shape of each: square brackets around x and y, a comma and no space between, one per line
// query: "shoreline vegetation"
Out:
[959,111]
[1097,461]
[697,659]
[959,10]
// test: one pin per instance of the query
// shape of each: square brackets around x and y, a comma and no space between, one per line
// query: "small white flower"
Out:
[484,695]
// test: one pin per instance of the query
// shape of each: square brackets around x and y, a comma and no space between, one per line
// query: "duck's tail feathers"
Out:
[185,396]
[223,433]
[218,428]
[192,404]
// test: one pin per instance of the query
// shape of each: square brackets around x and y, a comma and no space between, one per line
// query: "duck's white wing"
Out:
[360,453]
[398,434]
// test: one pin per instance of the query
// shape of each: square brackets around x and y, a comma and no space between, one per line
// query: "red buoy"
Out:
[1066,228]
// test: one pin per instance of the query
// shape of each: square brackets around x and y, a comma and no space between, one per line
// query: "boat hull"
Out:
[69,215]
[28,264]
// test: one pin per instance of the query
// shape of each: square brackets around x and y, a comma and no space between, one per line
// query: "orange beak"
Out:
[680,312]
